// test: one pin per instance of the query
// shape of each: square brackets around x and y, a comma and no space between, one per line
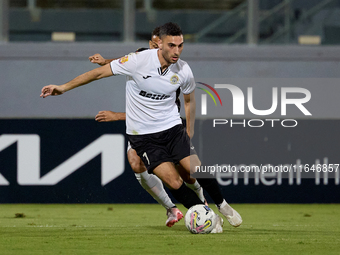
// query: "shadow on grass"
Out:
[254,231]
[178,228]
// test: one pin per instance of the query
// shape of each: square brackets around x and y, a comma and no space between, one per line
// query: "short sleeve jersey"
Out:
[151,93]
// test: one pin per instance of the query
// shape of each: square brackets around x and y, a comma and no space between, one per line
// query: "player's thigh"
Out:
[190,163]
[168,174]
[135,162]
[151,151]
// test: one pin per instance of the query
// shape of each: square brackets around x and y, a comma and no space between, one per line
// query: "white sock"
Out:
[222,204]
[226,208]
[198,190]
[154,186]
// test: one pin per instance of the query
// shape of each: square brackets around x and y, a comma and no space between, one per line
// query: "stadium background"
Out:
[294,45]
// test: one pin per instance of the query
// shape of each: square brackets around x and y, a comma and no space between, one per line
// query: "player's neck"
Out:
[164,64]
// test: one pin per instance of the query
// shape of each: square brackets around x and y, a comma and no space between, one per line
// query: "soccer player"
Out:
[151,183]
[153,123]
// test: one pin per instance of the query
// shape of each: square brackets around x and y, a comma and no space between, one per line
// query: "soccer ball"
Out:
[200,219]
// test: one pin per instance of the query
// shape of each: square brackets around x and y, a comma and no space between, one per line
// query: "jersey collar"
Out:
[159,66]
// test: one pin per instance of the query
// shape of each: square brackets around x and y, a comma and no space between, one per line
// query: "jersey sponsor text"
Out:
[153,96]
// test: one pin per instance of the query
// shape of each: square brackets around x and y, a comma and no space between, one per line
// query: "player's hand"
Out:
[97,59]
[107,116]
[51,90]
[190,133]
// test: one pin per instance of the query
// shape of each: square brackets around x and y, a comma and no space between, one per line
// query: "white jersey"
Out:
[151,93]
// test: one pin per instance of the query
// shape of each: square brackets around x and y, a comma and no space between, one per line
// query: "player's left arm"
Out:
[188,90]
[190,112]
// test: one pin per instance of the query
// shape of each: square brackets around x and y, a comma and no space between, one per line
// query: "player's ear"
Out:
[150,44]
[160,43]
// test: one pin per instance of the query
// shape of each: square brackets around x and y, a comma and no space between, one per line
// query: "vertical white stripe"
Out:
[204,104]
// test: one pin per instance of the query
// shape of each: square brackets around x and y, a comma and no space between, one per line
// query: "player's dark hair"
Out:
[155,32]
[170,29]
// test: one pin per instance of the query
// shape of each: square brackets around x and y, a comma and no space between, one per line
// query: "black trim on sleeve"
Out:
[142,49]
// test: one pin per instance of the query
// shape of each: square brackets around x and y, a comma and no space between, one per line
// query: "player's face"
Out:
[171,47]
[153,43]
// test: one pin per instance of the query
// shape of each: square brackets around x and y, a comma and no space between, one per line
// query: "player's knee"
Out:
[135,162]
[193,169]
[196,163]
[190,180]
[175,184]
[187,178]
[136,166]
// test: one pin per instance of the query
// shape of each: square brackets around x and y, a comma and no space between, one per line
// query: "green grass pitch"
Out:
[140,229]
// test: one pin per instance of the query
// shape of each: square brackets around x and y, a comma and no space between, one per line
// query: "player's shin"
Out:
[196,187]
[186,196]
[154,186]
[211,186]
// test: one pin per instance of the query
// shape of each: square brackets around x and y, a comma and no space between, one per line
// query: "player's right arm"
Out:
[95,74]
[98,59]
[107,116]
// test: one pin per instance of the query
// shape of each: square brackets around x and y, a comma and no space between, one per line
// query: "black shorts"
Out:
[171,145]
